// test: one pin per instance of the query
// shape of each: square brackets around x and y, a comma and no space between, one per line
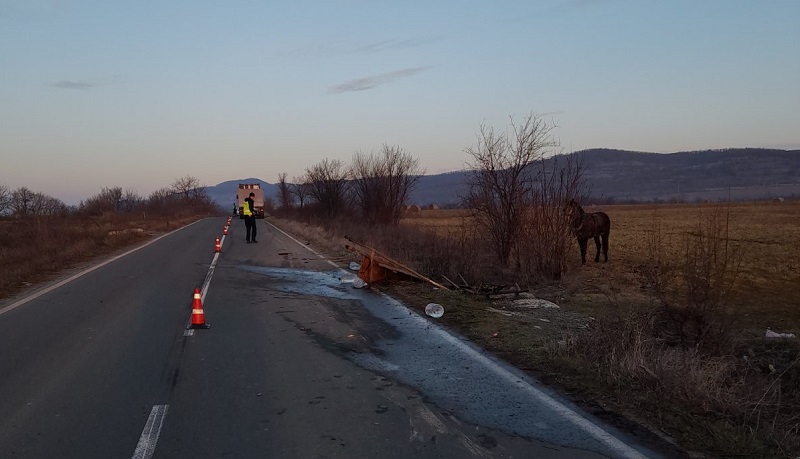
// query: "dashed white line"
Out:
[150,433]
[206,283]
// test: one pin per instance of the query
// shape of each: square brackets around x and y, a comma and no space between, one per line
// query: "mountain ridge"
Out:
[629,176]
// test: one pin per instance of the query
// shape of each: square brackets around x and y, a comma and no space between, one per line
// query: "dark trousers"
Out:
[250,224]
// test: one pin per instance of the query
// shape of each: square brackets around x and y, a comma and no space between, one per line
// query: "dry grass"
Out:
[36,249]
[606,345]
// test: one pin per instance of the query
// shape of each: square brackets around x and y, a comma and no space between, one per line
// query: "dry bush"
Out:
[694,291]
[675,353]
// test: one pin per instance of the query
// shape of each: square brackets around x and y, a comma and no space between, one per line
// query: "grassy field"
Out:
[767,236]
[604,345]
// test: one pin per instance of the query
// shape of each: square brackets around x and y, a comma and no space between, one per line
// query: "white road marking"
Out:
[84,272]
[305,246]
[150,433]
[592,429]
[204,287]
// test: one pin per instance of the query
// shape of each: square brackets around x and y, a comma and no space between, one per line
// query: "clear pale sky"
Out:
[137,93]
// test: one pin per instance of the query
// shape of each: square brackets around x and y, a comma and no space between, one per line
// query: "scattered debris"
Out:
[488,290]
[772,334]
[434,310]
[359,283]
[505,313]
[354,266]
[377,267]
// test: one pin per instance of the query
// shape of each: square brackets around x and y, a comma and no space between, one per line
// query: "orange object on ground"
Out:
[225,230]
[198,317]
[216,246]
[371,271]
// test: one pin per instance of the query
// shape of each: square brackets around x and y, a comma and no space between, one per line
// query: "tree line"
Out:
[183,195]
[515,195]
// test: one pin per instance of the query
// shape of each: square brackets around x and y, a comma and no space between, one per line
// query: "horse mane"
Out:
[574,204]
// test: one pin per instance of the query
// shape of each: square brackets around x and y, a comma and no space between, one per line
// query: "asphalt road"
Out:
[297,363]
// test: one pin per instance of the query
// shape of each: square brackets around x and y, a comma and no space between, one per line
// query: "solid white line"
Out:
[303,245]
[612,442]
[150,433]
[84,272]
[592,429]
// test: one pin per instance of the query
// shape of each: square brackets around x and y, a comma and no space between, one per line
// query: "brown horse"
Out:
[588,225]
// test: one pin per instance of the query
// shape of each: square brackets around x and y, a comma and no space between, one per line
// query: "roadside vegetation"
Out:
[40,236]
[670,334]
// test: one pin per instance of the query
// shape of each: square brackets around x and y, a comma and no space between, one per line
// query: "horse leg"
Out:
[605,245]
[597,245]
[583,242]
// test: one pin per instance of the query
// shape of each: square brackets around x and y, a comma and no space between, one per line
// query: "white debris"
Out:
[434,310]
[534,303]
[359,283]
[772,334]
[354,266]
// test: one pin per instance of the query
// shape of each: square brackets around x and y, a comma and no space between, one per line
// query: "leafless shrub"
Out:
[695,290]
[382,184]
[300,189]
[188,188]
[284,192]
[501,181]
[328,187]
[5,199]
[547,239]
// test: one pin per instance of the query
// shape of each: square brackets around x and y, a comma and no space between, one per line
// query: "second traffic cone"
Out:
[198,317]
[216,246]
[225,229]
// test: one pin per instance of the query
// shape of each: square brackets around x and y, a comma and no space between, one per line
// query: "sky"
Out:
[136,94]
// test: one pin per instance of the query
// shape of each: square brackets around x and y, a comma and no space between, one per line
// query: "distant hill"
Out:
[741,173]
[630,176]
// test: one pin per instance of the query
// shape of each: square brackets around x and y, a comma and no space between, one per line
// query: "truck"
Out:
[258,200]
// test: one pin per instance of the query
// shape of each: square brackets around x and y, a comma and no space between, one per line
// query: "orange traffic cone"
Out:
[225,230]
[198,317]
[216,246]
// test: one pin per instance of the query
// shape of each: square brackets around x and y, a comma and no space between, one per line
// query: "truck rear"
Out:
[258,200]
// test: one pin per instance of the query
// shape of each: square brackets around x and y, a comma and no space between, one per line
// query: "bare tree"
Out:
[501,180]
[5,199]
[548,237]
[300,189]
[130,200]
[159,199]
[22,202]
[50,206]
[190,190]
[328,186]
[108,200]
[382,183]
[284,192]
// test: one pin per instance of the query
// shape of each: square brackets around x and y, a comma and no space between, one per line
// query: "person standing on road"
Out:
[249,212]
[235,209]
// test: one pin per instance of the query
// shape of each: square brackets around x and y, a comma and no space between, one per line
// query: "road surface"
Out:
[297,363]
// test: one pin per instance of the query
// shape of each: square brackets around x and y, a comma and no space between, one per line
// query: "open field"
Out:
[766,234]
[603,346]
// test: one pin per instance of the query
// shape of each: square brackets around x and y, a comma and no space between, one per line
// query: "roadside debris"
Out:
[377,267]
[486,289]
[772,334]
[434,310]
[359,283]
[354,266]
